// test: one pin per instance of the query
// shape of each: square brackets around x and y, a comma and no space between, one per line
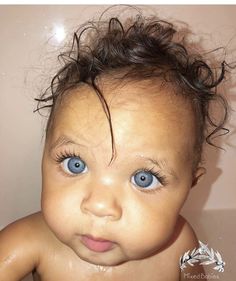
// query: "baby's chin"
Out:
[108,259]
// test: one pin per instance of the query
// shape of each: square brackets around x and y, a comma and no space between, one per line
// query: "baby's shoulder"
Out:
[187,240]
[30,230]
[182,239]
[21,245]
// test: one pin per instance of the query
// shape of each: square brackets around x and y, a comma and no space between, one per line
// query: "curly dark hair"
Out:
[146,49]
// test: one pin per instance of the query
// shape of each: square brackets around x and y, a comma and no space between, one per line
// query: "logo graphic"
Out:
[203,256]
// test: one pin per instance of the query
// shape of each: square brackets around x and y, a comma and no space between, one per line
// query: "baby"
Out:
[129,116]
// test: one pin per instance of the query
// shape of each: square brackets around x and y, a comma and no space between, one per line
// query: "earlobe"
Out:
[198,175]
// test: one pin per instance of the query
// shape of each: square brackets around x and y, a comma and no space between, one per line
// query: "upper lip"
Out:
[96,238]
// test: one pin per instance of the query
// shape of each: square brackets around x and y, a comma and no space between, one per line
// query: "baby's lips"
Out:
[97,244]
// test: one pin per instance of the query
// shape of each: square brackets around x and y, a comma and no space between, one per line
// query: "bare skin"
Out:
[154,134]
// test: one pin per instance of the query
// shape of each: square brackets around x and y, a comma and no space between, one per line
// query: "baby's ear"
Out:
[198,175]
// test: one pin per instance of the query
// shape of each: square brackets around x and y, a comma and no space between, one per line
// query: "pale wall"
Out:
[28,50]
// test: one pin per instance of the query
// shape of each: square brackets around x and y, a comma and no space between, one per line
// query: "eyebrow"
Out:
[161,164]
[64,140]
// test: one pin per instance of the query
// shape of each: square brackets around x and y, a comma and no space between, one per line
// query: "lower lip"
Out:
[97,245]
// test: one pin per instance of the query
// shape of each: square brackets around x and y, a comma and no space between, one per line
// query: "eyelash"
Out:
[64,155]
[60,157]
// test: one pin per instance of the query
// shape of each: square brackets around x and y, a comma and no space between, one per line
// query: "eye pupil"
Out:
[142,178]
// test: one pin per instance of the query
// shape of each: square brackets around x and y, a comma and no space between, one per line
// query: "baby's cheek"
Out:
[55,215]
[149,233]
[151,243]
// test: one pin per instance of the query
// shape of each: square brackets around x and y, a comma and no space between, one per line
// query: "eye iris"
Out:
[143,179]
[76,165]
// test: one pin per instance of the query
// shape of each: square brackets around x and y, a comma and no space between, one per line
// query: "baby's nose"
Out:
[102,202]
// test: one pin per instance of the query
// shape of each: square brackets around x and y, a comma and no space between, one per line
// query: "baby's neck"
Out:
[102,268]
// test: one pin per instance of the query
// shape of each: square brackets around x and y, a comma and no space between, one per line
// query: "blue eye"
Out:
[74,165]
[145,180]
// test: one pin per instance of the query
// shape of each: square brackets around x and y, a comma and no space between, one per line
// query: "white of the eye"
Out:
[155,183]
[65,167]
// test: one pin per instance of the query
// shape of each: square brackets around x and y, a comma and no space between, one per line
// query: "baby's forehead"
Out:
[138,103]
[129,95]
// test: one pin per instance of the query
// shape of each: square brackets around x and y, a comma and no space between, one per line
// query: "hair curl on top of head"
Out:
[145,48]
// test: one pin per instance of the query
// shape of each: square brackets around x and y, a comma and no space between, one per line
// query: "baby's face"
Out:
[132,203]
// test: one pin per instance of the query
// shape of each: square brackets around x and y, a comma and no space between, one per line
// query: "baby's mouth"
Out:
[97,244]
